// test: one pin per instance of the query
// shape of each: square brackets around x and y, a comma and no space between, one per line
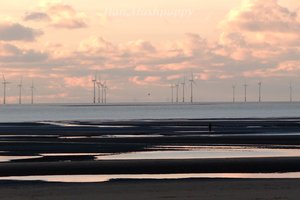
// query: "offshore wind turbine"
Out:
[94,82]
[99,85]
[20,86]
[32,90]
[102,92]
[233,93]
[192,81]
[183,90]
[291,92]
[177,92]
[4,88]
[99,91]
[172,93]
[245,91]
[259,91]
[105,91]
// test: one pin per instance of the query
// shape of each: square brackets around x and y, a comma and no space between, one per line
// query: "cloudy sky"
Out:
[141,47]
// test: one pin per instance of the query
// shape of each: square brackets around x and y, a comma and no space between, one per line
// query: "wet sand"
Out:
[101,137]
[92,137]
[192,189]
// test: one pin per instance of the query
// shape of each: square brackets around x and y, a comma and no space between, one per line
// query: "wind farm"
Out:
[20,87]
[178,94]
[102,87]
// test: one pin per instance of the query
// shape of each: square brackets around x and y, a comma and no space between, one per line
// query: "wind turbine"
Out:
[32,90]
[99,85]
[4,88]
[94,82]
[183,90]
[177,92]
[259,91]
[20,86]
[192,81]
[105,90]
[172,93]
[102,92]
[291,92]
[245,90]
[233,93]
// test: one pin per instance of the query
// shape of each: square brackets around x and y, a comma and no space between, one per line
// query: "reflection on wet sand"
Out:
[105,178]
[205,152]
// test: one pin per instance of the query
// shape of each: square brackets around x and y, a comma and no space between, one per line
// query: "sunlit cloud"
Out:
[257,39]
[83,82]
[285,69]
[59,14]
[259,25]
[149,80]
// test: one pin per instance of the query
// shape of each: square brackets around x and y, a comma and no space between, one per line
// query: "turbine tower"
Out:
[4,88]
[20,86]
[183,90]
[99,85]
[105,91]
[102,92]
[177,92]
[94,82]
[32,90]
[192,81]
[233,93]
[172,93]
[259,91]
[245,90]
[291,92]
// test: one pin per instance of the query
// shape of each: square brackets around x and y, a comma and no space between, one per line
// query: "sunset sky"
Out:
[143,47]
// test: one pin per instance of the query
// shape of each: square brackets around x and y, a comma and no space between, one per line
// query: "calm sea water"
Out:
[27,113]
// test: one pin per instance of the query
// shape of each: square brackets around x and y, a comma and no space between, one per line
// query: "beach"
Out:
[134,147]
[208,189]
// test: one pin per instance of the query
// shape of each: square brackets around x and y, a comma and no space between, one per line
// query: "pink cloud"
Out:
[174,77]
[150,80]
[83,82]
[144,68]
[258,28]
[288,68]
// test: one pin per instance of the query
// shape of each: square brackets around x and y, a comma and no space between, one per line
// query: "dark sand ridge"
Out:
[192,189]
[33,146]
[166,166]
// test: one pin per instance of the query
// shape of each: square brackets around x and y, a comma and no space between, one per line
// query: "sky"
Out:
[141,48]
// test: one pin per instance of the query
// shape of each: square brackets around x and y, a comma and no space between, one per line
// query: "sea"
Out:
[85,112]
